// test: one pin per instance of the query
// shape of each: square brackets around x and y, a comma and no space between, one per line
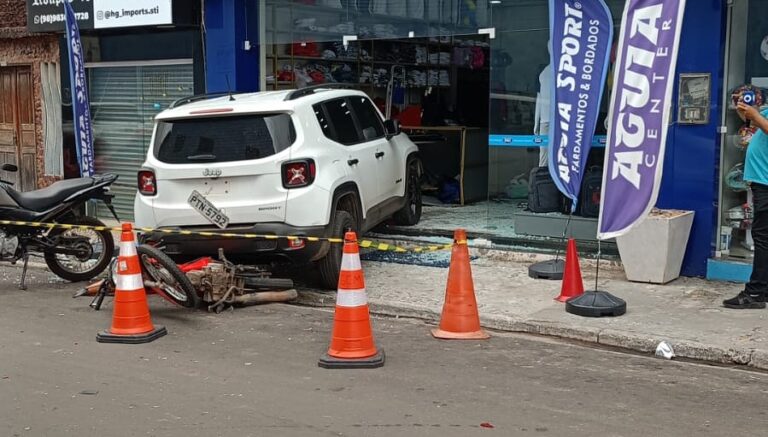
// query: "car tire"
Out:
[411,212]
[330,265]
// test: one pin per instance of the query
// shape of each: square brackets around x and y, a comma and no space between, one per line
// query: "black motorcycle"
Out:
[72,253]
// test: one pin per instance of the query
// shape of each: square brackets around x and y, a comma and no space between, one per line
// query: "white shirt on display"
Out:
[543,99]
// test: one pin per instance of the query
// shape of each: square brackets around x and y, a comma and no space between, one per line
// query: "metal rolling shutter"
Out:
[124,101]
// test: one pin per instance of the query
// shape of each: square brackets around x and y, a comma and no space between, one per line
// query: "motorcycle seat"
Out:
[46,198]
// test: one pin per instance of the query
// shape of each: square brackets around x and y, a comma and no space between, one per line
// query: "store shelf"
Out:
[404,64]
[368,61]
[315,33]
[377,50]
[729,198]
[420,87]
[316,58]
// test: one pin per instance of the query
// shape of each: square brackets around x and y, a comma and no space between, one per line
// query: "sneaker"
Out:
[744,301]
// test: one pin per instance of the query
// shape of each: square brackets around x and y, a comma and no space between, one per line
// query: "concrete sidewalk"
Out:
[686,312]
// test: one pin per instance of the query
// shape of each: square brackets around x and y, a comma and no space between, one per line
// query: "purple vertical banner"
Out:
[639,112]
[581,33]
[81,111]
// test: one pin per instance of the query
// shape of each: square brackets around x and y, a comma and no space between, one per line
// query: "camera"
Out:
[748,98]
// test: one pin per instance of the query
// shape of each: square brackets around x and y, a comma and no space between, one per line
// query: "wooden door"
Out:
[17,126]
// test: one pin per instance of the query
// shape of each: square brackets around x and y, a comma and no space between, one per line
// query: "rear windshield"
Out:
[223,139]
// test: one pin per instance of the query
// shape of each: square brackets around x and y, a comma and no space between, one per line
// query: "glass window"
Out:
[329,20]
[325,125]
[370,122]
[223,139]
[342,127]
[746,69]
[520,68]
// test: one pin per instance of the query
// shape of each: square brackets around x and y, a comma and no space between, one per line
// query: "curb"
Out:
[632,341]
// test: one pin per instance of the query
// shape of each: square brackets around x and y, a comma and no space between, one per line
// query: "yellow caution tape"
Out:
[365,244]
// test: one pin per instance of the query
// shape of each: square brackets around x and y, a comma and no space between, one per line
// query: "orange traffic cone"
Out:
[352,345]
[573,285]
[130,318]
[460,319]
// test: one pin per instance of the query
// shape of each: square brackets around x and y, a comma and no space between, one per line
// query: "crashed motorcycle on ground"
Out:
[215,284]
[72,253]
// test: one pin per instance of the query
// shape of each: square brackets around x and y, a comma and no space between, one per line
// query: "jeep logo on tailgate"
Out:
[212,172]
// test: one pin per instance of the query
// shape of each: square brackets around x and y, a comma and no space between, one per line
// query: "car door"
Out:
[338,124]
[389,162]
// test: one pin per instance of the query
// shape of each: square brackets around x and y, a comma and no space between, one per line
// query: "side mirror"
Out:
[392,128]
[10,167]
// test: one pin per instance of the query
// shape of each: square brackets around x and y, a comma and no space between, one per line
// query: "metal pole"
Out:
[562,238]
[597,268]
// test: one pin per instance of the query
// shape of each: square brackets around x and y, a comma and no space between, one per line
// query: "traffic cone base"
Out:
[131,322]
[108,337]
[550,270]
[446,335]
[460,319]
[352,345]
[329,362]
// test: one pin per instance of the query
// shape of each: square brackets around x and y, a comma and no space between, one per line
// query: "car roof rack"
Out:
[198,97]
[302,92]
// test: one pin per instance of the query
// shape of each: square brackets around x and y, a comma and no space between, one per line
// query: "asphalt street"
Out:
[253,372]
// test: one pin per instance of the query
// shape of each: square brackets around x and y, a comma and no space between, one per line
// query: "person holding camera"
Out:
[755,293]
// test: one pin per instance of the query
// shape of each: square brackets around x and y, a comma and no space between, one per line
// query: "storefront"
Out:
[138,61]
[465,78]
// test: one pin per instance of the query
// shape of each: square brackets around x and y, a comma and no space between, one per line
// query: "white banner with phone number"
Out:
[120,13]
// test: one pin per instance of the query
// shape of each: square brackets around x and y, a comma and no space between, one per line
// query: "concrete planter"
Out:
[653,250]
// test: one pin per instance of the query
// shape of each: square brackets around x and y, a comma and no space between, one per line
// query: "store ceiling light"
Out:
[495,2]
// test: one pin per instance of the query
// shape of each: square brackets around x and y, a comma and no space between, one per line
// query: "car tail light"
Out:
[298,173]
[296,243]
[147,183]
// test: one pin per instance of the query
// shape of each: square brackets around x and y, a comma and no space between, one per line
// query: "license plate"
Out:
[207,210]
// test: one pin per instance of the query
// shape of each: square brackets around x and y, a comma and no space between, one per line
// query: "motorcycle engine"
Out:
[214,281]
[8,245]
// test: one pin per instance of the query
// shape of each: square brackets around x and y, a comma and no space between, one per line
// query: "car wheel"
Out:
[330,265]
[411,212]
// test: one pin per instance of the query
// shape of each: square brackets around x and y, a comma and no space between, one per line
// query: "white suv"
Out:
[310,162]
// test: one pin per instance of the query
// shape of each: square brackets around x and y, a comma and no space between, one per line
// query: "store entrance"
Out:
[470,83]
[449,124]
[437,87]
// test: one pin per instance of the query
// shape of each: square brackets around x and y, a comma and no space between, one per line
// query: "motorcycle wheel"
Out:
[97,251]
[173,283]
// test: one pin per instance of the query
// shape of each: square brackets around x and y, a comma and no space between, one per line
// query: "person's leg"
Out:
[758,282]
[756,290]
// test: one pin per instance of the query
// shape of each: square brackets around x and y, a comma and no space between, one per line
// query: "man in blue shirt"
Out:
[755,293]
